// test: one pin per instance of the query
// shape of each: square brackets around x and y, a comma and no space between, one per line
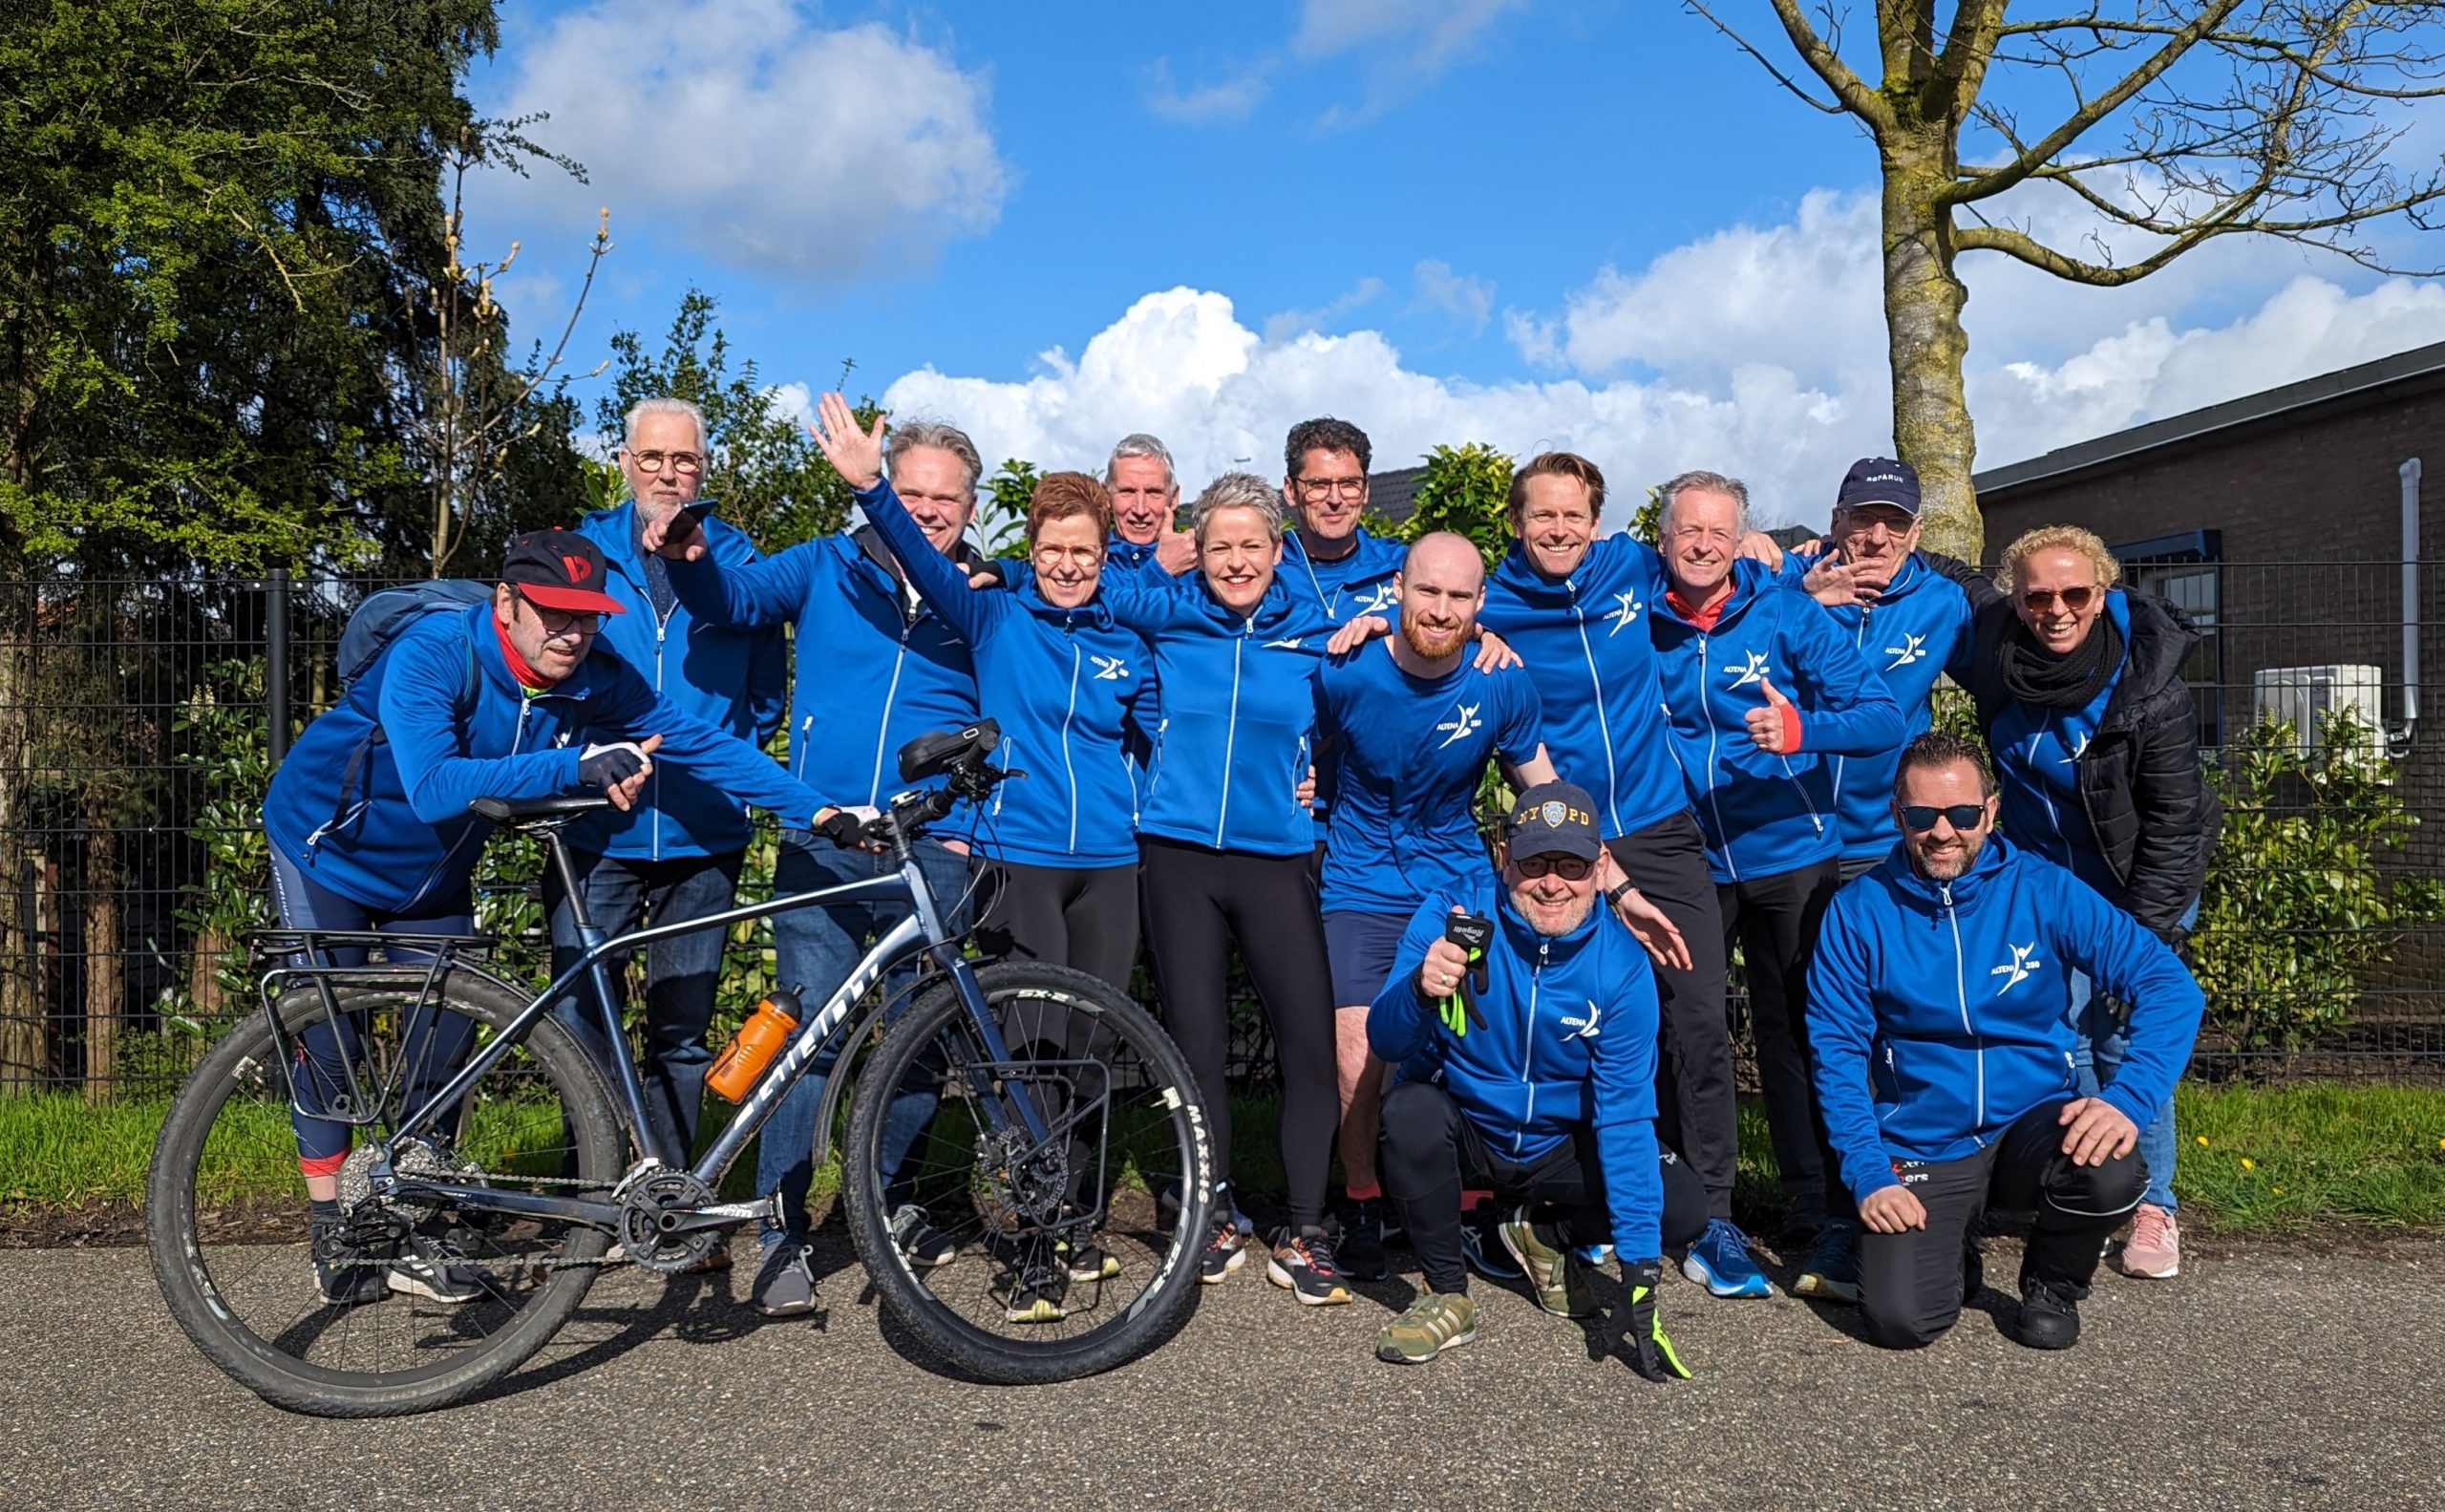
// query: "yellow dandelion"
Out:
[2249,1165]
[2277,1190]
[2203,1141]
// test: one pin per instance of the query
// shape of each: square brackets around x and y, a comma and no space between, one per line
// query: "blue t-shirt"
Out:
[1407,755]
[2037,768]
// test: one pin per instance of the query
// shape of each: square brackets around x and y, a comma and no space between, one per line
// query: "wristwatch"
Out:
[1617,892]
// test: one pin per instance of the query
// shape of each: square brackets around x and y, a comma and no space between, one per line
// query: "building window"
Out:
[2187,571]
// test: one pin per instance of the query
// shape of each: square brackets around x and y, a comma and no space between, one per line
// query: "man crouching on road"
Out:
[1943,1056]
[1534,1014]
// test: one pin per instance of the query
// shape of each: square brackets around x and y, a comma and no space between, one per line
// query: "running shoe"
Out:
[1483,1247]
[1085,1260]
[1362,1241]
[2153,1251]
[338,1282]
[785,1283]
[1435,1322]
[2049,1314]
[1553,1271]
[920,1243]
[1225,1252]
[1037,1291]
[417,1274]
[1719,1261]
[1302,1263]
[1832,1273]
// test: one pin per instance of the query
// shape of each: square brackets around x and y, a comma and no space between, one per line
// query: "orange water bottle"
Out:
[735,1069]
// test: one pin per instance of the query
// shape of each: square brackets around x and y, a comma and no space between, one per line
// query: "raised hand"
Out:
[1767,725]
[1360,629]
[855,454]
[1176,551]
[675,535]
[1833,584]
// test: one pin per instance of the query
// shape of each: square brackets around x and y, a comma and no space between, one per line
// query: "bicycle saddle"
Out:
[941,751]
[537,810]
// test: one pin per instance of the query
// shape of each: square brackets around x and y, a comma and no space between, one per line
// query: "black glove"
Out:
[607,766]
[1639,1330]
[844,829]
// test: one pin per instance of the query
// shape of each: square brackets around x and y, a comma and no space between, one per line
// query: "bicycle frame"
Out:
[921,928]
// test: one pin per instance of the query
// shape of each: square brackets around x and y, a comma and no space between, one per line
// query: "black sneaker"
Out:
[1224,1252]
[1304,1265]
[1035,1288]
[1362,1241]
[1481,1247]
[784,1284]
[2049,1314]
[920,1243]
[341,1283]
[1085,1260]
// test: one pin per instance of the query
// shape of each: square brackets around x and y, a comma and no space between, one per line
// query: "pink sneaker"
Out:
[2153,1250]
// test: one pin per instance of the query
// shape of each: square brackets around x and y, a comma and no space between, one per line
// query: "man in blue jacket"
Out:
[876,669]
[1146,510]
[1526,1066]
[369,815]
[1759,689]
[1938,1013]
[676,855]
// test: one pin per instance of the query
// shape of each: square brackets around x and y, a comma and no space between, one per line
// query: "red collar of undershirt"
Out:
[1704,619]
[528,678]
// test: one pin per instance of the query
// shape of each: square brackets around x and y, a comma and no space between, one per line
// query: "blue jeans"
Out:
[682,973]
[814,948]
[2103,1040]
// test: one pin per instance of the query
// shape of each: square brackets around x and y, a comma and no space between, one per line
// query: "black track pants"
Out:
[1198,902]
[1084,917]
[1774,921]
[1431,1152]
[1910,1283]
[1697,1104]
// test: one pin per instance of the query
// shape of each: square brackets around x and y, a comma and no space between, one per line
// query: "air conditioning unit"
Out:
[2305,695]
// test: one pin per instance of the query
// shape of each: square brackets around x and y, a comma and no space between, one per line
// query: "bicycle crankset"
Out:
[652,1205]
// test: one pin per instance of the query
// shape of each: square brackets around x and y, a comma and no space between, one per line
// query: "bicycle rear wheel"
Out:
[1073,1254]
[458,1298]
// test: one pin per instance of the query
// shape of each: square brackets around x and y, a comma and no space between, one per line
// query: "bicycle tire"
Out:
[220,1292]
[1165,1107]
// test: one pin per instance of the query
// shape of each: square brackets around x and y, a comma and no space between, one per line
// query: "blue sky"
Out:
[1594,226]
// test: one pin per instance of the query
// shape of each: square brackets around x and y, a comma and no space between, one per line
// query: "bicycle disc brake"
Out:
[1014,1183]
[643,1205]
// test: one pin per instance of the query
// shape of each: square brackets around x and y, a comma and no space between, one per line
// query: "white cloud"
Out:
[1467,300]
[764,140]
[1422,36]
[1230,100]
[1180,364]
[1290,323]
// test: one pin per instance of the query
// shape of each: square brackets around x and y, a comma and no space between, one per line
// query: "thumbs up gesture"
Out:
[1769,726]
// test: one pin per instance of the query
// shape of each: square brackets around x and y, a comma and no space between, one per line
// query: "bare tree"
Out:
[2181,121]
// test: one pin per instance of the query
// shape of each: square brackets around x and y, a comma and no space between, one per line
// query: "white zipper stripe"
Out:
[1604,725]
[1715,783]
[883,731]
[1528,1048]
[1231,733]
[1068,766]
[1960,996]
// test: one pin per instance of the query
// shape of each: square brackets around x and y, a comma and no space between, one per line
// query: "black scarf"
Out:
[2036,676]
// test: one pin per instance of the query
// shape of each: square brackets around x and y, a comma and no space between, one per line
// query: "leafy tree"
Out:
[767,473]
[1467,491]
[1003,522]
[2178,122]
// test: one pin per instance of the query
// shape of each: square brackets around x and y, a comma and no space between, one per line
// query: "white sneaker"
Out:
[420,1277]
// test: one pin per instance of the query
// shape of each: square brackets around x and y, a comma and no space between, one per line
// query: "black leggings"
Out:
[1432,1151]
[1697,1102]
[1774,921]
[1084,917]
[1198,902]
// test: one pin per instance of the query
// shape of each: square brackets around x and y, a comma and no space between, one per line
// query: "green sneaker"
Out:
[1435,1322]
[1554,1273]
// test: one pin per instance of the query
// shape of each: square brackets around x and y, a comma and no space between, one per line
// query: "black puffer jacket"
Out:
[2153,815]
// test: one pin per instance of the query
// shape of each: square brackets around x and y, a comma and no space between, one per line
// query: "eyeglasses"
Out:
[2075,599]
[680,461]
[1077,556]
[1964,816]
[561,624]
[1322,488]
[1569,868]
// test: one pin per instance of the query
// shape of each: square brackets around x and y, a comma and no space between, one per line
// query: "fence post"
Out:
[276,660]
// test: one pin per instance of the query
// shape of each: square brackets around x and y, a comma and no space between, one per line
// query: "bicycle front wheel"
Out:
[402,1306]
[1022,1258]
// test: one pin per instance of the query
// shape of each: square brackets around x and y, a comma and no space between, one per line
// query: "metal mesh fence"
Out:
[135,725]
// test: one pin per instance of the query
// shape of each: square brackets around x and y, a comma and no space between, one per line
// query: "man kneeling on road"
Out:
[1522,1020]
[1937,1012]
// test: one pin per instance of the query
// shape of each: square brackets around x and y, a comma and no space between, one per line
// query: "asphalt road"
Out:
[2263,1379]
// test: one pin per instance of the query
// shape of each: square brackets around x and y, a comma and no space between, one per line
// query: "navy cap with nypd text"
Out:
[1554,819]
[1879,480]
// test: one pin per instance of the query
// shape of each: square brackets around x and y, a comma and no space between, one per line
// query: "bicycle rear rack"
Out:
[291,957]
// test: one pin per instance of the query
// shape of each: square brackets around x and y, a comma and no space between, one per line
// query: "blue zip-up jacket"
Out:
[873,674]
[1938,1011]
[1061,682]
[1915,632]
[1763,814]
[1358,582]
[371,801]
[2037,769]
[1238,714]
[1568,1040]
[1585,644]
[736,679]
[1407,755]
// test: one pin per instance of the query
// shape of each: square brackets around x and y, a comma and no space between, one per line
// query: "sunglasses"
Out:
[2075,599]
[1569,868]
[1964,816]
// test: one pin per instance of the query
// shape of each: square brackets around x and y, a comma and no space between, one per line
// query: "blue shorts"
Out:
[1360,948]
